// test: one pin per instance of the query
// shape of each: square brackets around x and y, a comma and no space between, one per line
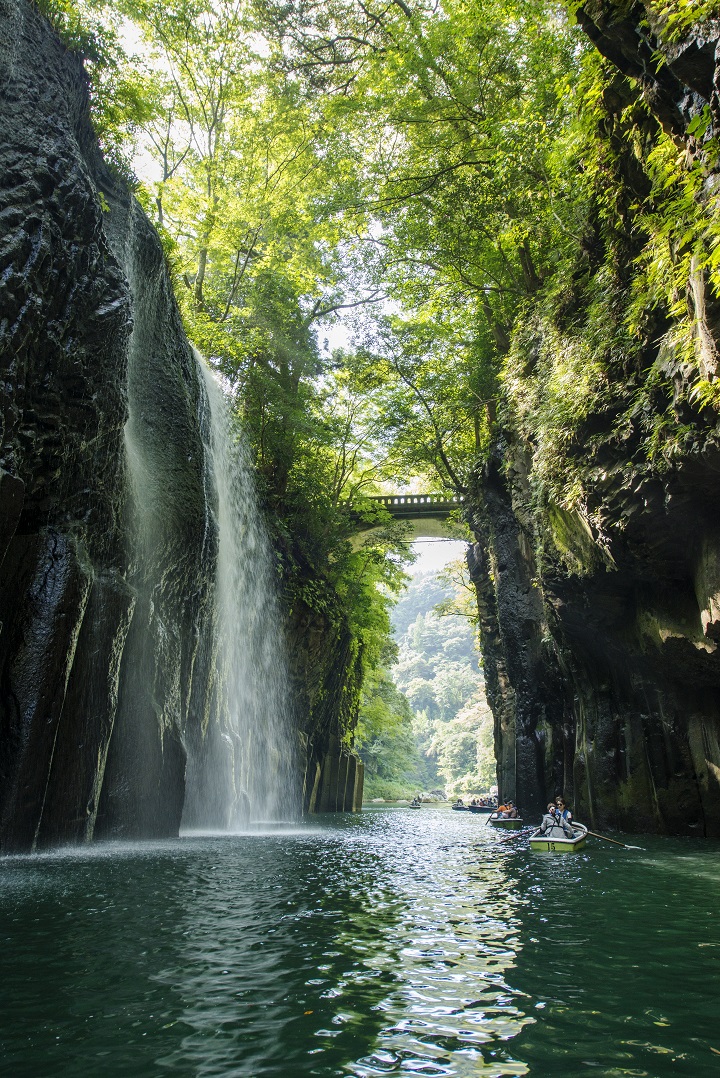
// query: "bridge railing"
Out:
[407,501]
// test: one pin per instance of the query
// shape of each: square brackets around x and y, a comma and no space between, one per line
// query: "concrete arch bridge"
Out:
[427,513]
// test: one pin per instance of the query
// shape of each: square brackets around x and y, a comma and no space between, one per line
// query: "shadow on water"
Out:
[621,960]
[238,955]
[352,947]
[393,943]
[270,976]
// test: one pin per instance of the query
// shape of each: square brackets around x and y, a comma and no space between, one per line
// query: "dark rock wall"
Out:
[327,674]
[606,684]
[519,675]
[173,543]
[600,631]
[105,575]
[108,539]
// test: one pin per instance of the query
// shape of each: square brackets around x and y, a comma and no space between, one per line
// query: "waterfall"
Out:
[243,771]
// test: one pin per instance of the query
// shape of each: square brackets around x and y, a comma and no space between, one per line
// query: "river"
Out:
[395,942]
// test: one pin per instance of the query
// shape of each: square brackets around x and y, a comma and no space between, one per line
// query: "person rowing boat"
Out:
[506,816]
[554,822]
[557,833]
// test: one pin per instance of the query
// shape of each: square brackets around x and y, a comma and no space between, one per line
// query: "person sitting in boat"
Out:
[563,817]
[553,824]
[562,810]
[549,819]
[508,811]
[459,803]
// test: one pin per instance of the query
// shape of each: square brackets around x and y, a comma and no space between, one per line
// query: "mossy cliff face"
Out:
[108,540]
[597,516]
[327,674]
[96,674]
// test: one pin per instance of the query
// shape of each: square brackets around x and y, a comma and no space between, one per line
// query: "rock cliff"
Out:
[107,538]
[97,658]
[601,619]
[327,675]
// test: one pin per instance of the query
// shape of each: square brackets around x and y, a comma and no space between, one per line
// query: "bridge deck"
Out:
[412,506]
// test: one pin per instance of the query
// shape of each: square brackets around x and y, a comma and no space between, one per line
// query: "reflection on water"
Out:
[393,943]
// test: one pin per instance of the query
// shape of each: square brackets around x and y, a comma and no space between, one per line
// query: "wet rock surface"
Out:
[601,641]
[108,522]
[91,741]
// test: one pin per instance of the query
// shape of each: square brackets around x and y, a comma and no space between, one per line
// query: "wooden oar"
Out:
[517,834]
[615,842]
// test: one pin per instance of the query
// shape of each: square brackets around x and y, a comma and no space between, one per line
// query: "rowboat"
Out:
[480,808]
[556,841]
[504,824]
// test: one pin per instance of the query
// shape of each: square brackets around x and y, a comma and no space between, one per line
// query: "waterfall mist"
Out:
[242,768]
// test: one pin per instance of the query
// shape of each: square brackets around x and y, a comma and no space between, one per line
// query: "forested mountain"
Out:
[440,736]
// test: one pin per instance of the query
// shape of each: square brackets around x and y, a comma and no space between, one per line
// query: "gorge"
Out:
[130,605]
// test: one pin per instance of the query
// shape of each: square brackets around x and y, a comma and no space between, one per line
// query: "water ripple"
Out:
[394,943]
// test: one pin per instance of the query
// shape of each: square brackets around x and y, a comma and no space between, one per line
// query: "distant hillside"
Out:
[423,592]
[438,731]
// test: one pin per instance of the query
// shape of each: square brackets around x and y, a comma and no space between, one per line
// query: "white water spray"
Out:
[244,772]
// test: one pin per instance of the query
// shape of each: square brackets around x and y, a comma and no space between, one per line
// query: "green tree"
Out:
[463,749]
[438,672]
[384,739]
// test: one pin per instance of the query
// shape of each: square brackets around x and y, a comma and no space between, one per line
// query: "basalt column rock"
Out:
[601,651]
[327,678]
[104,580]
[521,682]
[599,612]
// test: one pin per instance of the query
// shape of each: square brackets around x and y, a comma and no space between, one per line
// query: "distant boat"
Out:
[554,840]
[481,808]
[505,824]
[459,808]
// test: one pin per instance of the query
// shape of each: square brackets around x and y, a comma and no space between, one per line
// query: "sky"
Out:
[436,553]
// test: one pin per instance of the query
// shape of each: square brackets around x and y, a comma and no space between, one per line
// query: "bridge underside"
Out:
[427,514]
[420,528]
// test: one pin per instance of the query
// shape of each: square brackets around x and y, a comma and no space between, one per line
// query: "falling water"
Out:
[243,773]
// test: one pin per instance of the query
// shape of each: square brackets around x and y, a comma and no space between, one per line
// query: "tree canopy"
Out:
[400,228]
[402,166]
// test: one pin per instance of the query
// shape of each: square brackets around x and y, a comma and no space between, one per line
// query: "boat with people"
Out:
[477,805]
[504,822]
[556,840]
[506,816]
[415,803]
[558,832]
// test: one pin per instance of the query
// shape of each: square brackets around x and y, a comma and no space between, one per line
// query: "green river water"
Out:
[395,942]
